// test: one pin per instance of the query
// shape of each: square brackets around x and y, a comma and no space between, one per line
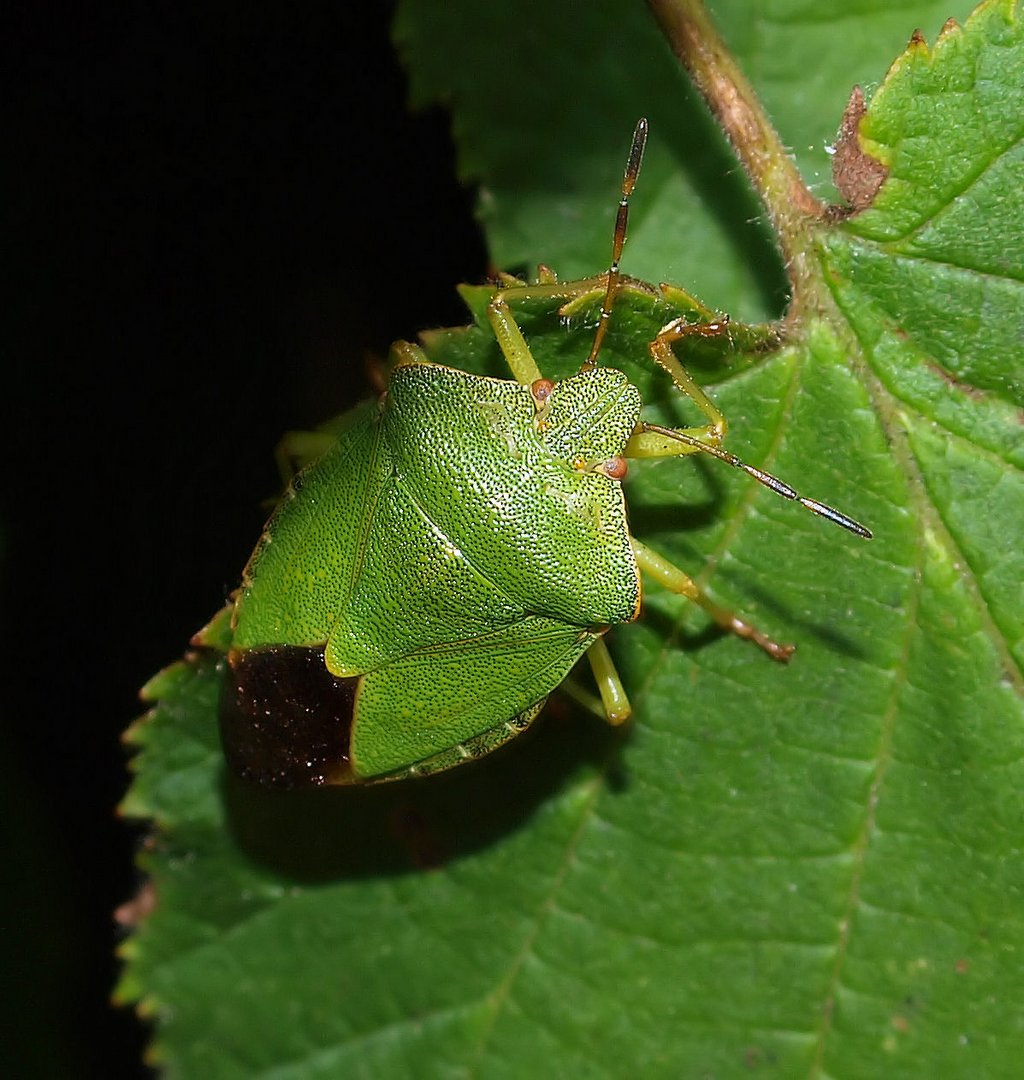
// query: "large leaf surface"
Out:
[812,870]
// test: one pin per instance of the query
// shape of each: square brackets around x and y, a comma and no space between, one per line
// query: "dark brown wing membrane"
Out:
[285,720]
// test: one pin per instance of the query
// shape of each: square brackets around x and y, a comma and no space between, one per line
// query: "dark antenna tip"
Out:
[773,483]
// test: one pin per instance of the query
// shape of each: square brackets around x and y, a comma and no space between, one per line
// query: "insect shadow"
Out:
[319,835]
[673,518]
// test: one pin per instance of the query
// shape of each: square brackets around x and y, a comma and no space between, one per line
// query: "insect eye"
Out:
[541,390]
[615,468]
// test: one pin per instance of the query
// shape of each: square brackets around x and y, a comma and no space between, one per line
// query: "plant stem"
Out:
[793,210]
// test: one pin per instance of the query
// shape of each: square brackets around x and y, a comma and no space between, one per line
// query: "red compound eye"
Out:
[615,468]
[541,390]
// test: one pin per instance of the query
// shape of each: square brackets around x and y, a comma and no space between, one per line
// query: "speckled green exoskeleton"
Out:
[462,542]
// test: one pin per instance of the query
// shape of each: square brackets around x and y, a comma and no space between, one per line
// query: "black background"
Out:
[215,212]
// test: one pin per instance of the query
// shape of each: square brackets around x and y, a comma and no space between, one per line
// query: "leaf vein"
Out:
[500,994]
[862,842]
[968,182]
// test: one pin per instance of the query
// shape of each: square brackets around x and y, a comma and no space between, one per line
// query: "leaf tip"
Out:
[217,633]
[917,41]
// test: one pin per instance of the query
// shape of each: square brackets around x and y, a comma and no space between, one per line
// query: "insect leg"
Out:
[511,341]
[405,352]
[612,705]
[672,578]
[298,448]
[661,351]
[614,702]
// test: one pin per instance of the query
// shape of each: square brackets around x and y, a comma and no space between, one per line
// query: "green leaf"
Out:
[544,101]
[804,870]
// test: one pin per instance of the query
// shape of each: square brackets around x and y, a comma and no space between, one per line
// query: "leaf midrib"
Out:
[500,993]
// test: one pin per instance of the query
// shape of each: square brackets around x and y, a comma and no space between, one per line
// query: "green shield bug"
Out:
[460,544]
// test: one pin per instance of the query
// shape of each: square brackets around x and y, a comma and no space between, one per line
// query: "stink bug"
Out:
[428,581]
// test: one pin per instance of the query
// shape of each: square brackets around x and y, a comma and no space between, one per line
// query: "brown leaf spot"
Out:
[857,175]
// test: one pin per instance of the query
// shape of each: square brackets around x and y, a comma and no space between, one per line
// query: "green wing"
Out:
[448,696]
[301,575]
[443,515]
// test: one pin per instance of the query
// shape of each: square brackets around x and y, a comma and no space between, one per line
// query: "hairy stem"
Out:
[793,210]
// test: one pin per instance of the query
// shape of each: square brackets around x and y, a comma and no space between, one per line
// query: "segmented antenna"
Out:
[636,154]
[769,481]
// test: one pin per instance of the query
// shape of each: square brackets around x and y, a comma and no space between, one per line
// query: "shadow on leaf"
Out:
[408,826]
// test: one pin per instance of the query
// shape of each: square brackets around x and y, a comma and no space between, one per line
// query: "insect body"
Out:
[463,542]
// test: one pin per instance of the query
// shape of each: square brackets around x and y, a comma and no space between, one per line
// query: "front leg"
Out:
[661,350]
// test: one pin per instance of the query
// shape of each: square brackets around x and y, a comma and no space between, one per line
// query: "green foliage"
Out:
[813,870]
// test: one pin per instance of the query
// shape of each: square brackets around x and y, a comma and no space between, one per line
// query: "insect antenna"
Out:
[636,154]
[769,481]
